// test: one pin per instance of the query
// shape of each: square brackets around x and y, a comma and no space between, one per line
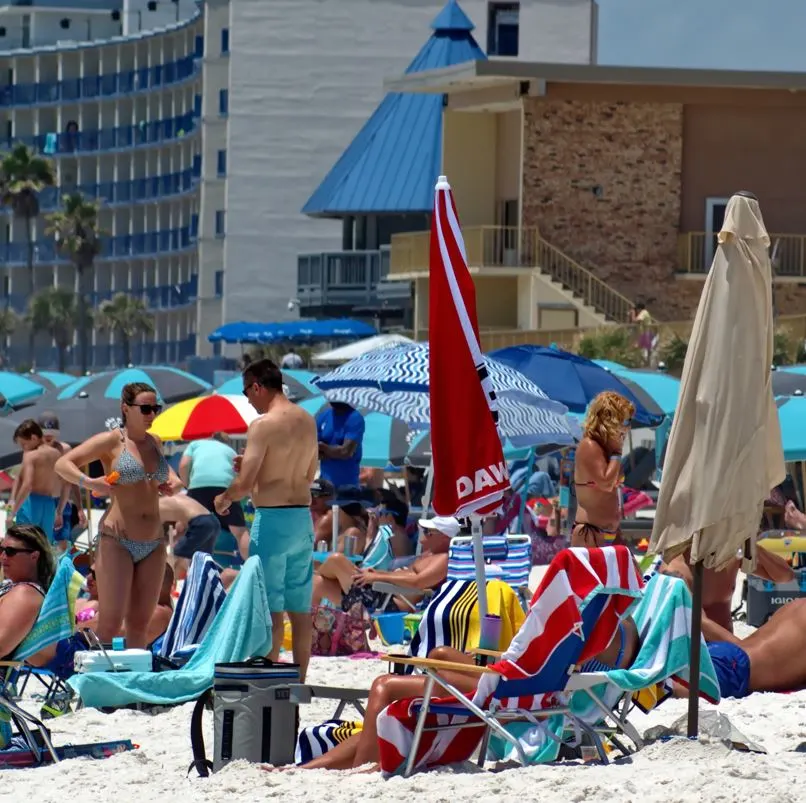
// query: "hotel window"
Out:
[220,222]
[223,102]
[503,21]
[224,41]
[222,163]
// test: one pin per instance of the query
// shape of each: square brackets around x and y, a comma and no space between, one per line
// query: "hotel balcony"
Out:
[696,252]
[341,281]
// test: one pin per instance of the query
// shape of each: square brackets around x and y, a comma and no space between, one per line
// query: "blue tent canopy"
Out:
[292,331]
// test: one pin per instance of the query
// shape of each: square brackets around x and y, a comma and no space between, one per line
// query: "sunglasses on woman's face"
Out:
[148,409]
[11,551]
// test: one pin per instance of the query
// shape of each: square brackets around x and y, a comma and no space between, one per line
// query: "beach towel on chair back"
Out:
[537,665]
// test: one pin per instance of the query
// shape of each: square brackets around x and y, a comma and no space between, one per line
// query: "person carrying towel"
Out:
[277,469]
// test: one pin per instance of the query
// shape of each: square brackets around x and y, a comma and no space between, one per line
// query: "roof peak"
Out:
[452,18]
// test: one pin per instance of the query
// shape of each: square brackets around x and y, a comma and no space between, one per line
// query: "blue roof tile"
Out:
[393,162]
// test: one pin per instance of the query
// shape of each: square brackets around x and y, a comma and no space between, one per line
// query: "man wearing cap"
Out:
[428,571]
[68,496]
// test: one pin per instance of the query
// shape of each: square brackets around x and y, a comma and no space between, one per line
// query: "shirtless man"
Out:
[195,527]
[277,469]
[68,496]
[34,502]
[597,471]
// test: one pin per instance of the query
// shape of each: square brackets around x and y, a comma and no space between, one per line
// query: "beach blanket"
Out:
[452,617]
[572,580]
[57,616]
[200,601]
[663,620]
[241,630]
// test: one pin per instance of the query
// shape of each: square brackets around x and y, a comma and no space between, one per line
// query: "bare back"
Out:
[594,505]
[291,457]
[180,508]
[44,479]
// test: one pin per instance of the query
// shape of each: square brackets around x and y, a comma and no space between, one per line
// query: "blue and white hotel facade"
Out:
[205,127]
[127,121]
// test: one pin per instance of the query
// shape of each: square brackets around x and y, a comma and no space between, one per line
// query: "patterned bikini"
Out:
[131,472]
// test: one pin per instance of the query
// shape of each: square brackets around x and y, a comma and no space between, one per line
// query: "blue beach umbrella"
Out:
[172,384]
[56,378]
[299,384]
[792,417]
[18,388]
[661,388]
[572,380]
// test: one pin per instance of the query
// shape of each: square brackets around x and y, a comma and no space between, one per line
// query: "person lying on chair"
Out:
[427,572]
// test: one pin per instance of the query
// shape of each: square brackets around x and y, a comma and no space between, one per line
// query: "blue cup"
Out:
[119,643]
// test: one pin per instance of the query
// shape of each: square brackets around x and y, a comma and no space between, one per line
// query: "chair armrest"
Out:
[12,664]
[488,653]
[431,663]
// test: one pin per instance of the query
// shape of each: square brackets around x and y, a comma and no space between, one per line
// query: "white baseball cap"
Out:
[447,525]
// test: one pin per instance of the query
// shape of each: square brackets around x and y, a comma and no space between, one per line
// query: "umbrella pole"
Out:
[694,662]
[802,485]
[429,487]
[478,560]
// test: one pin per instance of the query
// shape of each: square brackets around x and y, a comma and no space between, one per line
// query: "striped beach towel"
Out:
[57,616]
[201,599]
[315,740]
[574,578]
[507,559]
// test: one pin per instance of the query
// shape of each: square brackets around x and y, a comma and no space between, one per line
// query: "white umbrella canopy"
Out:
[724,454]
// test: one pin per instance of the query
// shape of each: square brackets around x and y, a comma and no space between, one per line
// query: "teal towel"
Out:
[663,619]
[57,616]
[241,630]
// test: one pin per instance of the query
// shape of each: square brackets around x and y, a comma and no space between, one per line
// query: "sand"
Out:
[674,770]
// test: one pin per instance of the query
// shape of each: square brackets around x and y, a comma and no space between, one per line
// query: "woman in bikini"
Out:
[131,547]
[597,471]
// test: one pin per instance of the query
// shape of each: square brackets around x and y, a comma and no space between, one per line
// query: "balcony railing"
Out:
[151,243]
[112,193]
[108,139]
[163,296]
[696,250]
[510,247]
[126,82]
[345,278]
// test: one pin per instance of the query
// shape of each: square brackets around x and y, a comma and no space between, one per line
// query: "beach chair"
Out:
[507,558]
[535,698]
[201,599]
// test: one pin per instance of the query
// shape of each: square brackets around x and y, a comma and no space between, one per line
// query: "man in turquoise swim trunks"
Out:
[277,469]
[34,502]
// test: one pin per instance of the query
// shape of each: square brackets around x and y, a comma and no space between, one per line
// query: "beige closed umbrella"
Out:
[724,454]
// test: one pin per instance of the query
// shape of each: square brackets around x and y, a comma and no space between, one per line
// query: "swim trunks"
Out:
[40,510]
[282,537]
[732,667]
[64,533]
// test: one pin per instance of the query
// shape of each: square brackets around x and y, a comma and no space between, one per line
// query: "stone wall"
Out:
[602,183]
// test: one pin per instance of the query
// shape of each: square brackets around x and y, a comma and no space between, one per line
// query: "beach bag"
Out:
[255,716]
[337,632]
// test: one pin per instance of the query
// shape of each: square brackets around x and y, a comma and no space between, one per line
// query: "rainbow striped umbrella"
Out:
[202,417]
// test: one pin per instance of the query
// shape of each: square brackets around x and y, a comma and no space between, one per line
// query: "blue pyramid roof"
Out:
[393,162]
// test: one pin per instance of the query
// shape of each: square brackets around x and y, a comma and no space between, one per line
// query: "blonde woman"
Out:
[597,471]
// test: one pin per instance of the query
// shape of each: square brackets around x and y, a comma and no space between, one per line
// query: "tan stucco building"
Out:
[610,182]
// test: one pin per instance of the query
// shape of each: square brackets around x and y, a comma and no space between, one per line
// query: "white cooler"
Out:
[122,661]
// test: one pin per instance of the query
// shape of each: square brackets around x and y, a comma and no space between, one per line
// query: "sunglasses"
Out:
[249,387]
[148,409]
[11,551]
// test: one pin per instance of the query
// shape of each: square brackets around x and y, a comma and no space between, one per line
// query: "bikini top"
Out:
[131,471]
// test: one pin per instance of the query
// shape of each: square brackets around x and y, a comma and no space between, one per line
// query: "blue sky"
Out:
[719,34]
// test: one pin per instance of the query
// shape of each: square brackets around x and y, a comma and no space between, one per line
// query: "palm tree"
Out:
[127,317]
[55,310]
[23,175]
[8,323]
[78,237]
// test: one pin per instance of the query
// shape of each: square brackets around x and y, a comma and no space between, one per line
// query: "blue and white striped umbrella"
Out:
[394,381]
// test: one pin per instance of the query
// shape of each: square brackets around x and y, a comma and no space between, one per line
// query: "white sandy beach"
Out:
[675,770]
